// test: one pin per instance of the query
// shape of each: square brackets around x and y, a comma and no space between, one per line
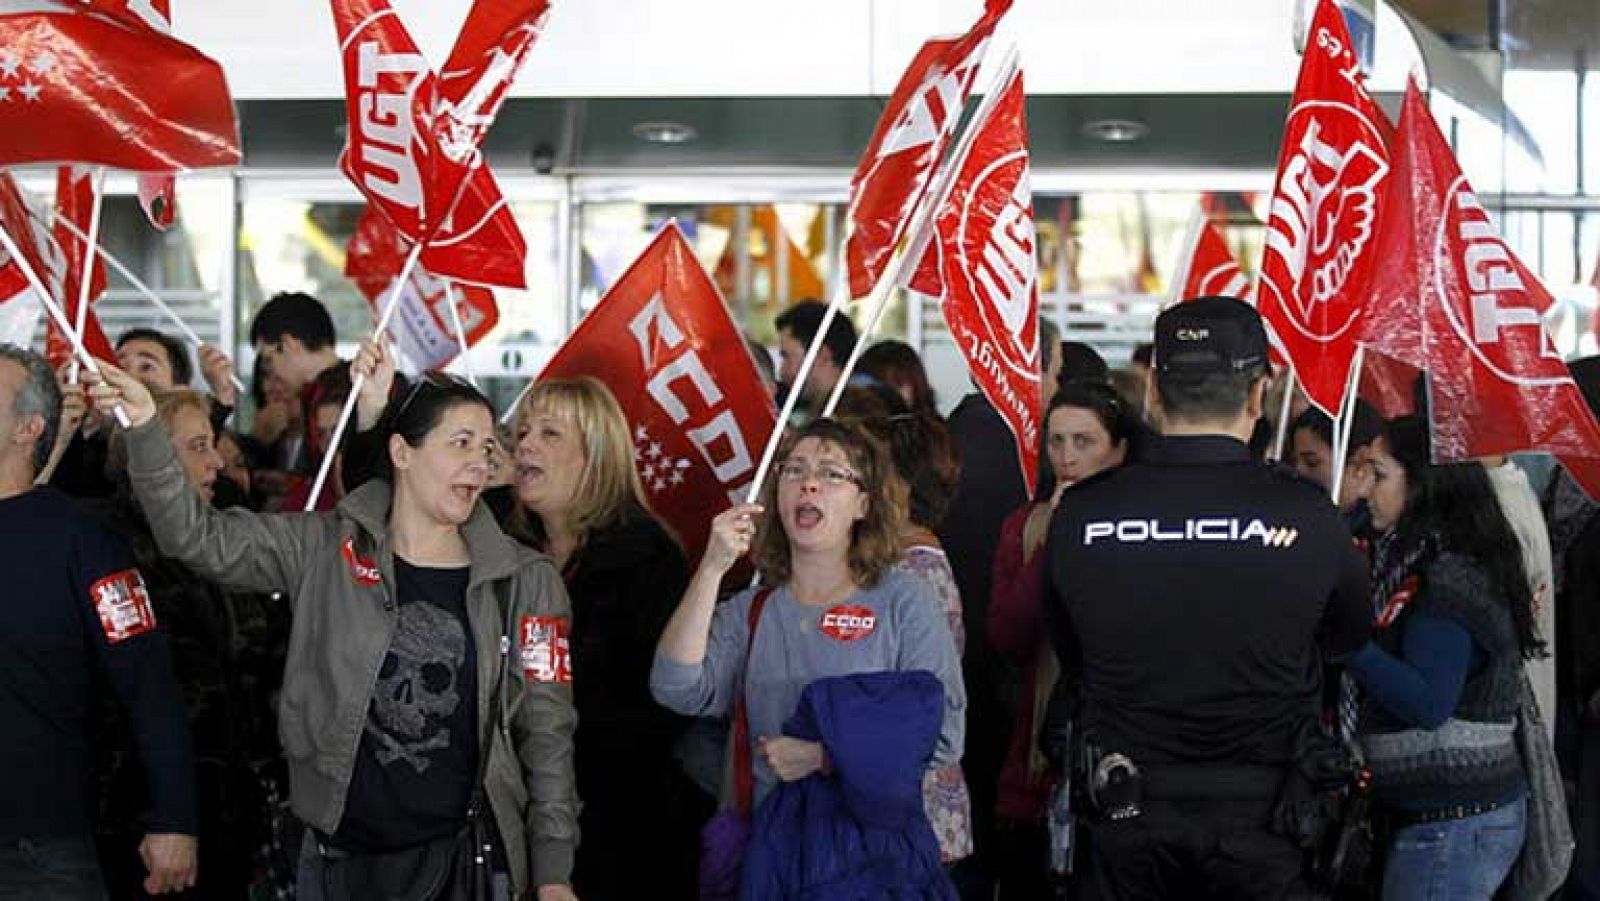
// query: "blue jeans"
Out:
[53,868]
[1455,860]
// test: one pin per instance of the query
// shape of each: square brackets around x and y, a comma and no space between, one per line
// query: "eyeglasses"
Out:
[795,472]
[435,378]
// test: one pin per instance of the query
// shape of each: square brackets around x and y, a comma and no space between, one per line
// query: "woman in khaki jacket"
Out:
[427,679]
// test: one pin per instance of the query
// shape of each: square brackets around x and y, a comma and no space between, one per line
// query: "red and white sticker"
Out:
[362,568]
[542,642]
[123,605]
[847,622]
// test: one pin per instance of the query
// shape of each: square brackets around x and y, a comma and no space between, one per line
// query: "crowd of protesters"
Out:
[485,668]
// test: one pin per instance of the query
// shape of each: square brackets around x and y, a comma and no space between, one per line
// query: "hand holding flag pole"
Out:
[56,313]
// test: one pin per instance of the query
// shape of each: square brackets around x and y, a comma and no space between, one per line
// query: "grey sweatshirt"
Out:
[792,649]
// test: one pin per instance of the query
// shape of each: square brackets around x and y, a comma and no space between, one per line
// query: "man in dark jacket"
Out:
[1196,594]
[990,487]
[74,604]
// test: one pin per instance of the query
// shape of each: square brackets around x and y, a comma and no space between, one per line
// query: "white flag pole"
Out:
[1278,443]
[1191,243]
[922,220]
[85,280]
[145,290]
[461,333]
[1342,425]
[57,314]
[360,380]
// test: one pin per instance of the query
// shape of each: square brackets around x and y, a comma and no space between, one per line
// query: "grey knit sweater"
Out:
[1472,757]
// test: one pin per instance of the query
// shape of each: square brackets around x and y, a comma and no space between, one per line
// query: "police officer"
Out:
[1195,594]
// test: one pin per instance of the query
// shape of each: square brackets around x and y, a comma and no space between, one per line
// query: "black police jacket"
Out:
[1197,595]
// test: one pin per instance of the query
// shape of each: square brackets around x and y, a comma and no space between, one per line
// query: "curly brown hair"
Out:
[875,539]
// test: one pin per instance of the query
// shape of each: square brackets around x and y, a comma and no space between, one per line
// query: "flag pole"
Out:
[922,220]
[85,277]
[389,307]
[144,289]
[1278,443]
[1342,425]
[360,380]
[56,313]
[461,333]
[841,296]
[1191,241]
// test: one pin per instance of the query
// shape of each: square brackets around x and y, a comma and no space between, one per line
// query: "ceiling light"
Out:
[1116,131]
[664,132]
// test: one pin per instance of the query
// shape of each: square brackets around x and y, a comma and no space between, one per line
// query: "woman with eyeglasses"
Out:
[1443,675]
[1089,428]
[426,707]
[827,536]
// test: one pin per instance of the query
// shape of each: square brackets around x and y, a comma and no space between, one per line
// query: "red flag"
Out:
[80,87]
[75,204]
[1456,302]
[663,341]
[1388,384]
[19,304]
[422,325]
[158,191]
[394,156]
[909,141]
[1210,268]
[494,41]
[983,264]
[1320,251]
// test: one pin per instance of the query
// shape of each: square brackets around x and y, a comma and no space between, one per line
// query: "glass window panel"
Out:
[1546,102]
[1591,133]
[763,257]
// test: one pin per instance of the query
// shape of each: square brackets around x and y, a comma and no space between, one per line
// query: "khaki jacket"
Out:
[344,621]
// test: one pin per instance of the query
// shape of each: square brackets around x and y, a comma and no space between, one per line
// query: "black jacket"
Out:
[990,487]
[1192,590]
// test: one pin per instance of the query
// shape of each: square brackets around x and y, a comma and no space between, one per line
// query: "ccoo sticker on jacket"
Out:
[362,569]
[847,622]
[542,642]
[123,605]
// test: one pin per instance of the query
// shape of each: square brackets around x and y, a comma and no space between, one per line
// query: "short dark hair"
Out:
[1142,353]
[1208,397]
[1082,363]
[177,352]
[804,320]
[1367,427]
[293,313]
[38,395]
[897,365]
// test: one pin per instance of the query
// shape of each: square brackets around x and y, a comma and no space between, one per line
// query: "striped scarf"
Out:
[1395,565]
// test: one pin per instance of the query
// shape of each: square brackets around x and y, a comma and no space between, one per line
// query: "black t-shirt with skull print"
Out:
[418,755]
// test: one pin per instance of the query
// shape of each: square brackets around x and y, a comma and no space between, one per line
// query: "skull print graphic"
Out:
[417,689]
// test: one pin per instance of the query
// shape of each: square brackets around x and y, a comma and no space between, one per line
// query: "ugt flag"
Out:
[663,342]
[982,264]
[20,305]
[70,259]
[912,135]
[1321,247]
[1208,266]
[1454,301]
[413,136]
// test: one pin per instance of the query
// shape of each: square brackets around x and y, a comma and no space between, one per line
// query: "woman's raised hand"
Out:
[374,362]
[111,387]
[732,533]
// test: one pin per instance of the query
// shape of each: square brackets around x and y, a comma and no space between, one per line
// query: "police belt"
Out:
[1207,781]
